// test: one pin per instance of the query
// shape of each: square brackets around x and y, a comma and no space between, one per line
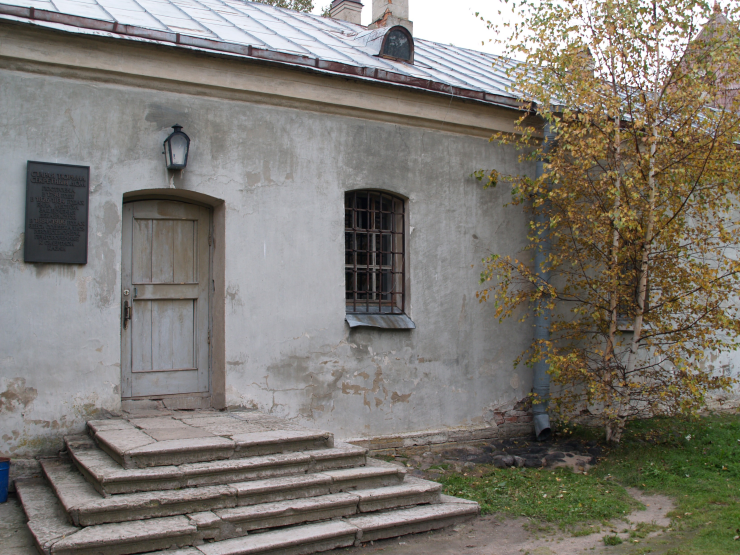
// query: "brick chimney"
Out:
[388,13]
[347,10]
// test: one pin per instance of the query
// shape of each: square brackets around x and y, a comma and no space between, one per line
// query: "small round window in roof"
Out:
[399,44]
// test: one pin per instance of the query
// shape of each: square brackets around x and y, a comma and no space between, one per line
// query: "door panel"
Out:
[164,336]
[173,335]
[142,254]
[141,340]
[166,272]
[172,382]
[184,268]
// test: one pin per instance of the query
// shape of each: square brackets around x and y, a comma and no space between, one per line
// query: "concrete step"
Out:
[54,535]
[391,524]
[259,468]
[47,519]
[230,532]
[376,474]
[339,505]
[325,536]
[127,538]
[164,441]
[287,513]
[304,498]
[87,507]
[297,540]
[109,478]
[220,484]
[412,492]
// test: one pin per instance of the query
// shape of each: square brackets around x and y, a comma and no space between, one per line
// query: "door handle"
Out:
[126,314]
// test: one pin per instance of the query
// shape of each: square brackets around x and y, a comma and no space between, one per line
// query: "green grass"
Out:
[549,495]
[442,466]
[643,530]
[695,462]
[612,540]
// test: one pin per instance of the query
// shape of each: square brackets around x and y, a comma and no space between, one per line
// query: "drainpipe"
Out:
[542,321]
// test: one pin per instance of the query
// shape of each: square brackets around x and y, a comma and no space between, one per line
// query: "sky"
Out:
[445,21]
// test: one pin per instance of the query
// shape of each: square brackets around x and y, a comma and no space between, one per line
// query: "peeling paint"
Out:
[82,284]
[17,395]
[14,259]
[396,398]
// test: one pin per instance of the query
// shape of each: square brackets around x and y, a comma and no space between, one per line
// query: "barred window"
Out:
[374,262]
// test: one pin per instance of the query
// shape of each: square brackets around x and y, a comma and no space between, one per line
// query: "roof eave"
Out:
[35,16]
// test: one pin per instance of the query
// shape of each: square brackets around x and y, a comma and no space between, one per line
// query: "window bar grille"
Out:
[374,281]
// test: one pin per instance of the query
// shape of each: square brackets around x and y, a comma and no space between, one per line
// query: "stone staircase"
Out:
[210,483]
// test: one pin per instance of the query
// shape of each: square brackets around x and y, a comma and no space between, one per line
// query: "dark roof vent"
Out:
[398,44]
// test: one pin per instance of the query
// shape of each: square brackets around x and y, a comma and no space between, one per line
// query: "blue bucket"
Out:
[4,473]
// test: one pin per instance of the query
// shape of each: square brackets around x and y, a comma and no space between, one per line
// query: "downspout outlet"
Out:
[542,427]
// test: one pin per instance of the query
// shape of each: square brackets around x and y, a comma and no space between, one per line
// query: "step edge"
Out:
[48,545]
[280,507]
[305,529]
[190,528]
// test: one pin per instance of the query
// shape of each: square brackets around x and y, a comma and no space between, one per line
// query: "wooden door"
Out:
[165,313]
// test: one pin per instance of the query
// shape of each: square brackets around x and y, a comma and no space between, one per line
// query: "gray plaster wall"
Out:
[282,174]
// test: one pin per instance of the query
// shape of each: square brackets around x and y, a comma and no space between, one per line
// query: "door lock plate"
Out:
[126,314]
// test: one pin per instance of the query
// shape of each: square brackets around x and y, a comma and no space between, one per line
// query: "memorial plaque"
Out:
[56,213]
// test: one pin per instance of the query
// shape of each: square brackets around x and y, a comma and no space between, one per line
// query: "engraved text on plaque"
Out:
[56,213]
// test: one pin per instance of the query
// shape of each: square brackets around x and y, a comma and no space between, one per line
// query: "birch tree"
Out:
[640,198]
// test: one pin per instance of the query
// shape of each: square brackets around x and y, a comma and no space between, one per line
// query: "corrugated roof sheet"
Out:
[262,31]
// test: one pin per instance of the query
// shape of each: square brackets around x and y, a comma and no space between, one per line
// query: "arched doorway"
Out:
[166,306]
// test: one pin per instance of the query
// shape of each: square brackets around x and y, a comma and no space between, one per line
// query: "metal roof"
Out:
[256,30]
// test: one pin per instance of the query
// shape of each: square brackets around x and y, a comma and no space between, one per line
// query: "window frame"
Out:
[396,303]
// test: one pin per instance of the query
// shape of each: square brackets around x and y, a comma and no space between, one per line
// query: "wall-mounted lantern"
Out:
[176,148]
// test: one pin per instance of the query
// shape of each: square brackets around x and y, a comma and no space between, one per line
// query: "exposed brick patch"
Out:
[520,413]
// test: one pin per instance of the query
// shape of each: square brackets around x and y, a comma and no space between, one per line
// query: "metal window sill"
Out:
[383,321]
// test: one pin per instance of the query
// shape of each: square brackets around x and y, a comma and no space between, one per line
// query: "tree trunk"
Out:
[649,233]
[614,300]
[614,430]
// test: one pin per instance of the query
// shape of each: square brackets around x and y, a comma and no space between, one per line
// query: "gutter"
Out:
[541,385]
[36,16]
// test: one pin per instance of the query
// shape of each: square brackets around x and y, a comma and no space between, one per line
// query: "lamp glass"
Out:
[178,149]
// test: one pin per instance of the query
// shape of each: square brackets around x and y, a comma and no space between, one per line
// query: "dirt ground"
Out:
[489,535]
[496,535]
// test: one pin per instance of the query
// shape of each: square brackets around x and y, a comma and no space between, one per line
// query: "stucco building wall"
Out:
[277,174]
